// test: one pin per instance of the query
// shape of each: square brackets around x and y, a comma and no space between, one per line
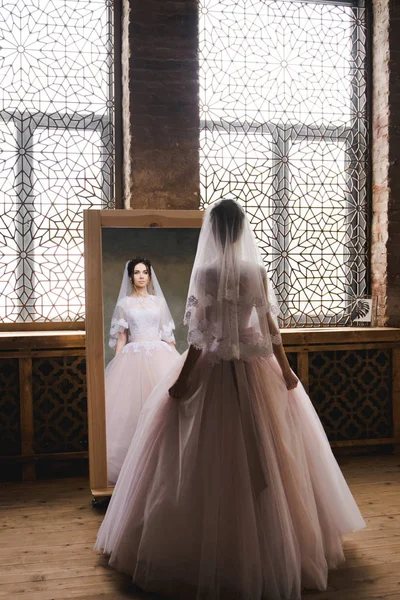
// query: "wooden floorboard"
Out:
[48,528]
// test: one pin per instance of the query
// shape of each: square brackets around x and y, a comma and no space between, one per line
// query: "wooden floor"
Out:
[47,530]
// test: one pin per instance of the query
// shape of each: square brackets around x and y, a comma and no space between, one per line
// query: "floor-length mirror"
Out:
[130,345]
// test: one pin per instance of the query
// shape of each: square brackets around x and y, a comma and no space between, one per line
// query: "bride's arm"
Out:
[278,349]
[180,386]
[121,341]
[280,355]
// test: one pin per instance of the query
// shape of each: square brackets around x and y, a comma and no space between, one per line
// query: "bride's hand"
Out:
[178,390]
[291,380]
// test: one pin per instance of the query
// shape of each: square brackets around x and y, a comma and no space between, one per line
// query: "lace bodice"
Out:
[144,319]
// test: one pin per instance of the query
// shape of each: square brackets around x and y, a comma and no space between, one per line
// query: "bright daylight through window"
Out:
[56,151]
[284,128]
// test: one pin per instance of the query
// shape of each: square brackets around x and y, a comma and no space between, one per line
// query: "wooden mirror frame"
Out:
[94,222]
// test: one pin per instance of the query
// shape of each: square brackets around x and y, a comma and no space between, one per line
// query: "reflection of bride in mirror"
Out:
[142,335]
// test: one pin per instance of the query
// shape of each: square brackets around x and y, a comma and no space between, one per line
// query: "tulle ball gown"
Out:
[134,372]
[232,491]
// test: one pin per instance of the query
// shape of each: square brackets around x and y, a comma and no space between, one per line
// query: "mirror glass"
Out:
[171,252]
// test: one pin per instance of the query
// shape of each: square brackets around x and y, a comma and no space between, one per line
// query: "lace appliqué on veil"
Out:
[276,339]
[245,302]
[251,343]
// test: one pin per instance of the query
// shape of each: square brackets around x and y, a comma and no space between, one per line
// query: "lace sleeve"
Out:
[167,325]
[199,334]
[119,324]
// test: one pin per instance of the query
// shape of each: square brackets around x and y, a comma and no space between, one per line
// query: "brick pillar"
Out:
[160,104]
[393,243]
[380,155]
[385,254]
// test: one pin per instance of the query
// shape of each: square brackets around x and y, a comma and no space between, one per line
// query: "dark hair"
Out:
[137,261]
[227,218]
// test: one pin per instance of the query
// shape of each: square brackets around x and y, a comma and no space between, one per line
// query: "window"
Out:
[56,151]
[283,110]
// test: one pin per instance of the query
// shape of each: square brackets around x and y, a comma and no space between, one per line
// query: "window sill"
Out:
[41,340]
[340,335]
[56,338]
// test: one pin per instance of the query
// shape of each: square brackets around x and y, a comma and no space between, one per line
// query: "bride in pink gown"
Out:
[229,489]
[142,334]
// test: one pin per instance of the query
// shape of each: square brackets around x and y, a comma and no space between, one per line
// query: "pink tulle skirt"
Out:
[130,378]
[231,493]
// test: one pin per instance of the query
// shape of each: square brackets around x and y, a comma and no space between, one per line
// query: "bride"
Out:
[229,489]
[142,335]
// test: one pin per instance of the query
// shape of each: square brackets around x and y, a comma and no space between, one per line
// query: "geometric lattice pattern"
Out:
[59,404]
[10,430]
[283,118]
[56,150]
[352,393]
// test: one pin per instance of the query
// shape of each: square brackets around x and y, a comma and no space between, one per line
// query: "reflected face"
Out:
[141,276]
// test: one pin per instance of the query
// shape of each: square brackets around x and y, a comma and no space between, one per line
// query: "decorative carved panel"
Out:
[59,404]
[352,392]
[10,433]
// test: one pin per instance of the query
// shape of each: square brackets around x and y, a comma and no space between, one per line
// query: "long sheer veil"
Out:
[118,320]
[231,311]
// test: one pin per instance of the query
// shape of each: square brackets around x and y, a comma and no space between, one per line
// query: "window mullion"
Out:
[25,222]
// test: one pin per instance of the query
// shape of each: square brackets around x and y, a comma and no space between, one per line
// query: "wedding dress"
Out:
[231,492]
[134,372]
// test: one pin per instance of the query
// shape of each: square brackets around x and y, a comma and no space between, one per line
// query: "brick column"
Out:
[385,254]
[160,104]
[380,155]
[393,243]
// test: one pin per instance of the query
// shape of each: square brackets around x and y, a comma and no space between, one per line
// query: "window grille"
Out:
[284,130]
[56,150]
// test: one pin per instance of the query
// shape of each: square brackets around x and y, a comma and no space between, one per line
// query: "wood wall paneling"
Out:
[354,386]
[21,353]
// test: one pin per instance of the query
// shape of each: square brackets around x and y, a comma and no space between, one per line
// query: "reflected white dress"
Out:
[135,371]
[233,492]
